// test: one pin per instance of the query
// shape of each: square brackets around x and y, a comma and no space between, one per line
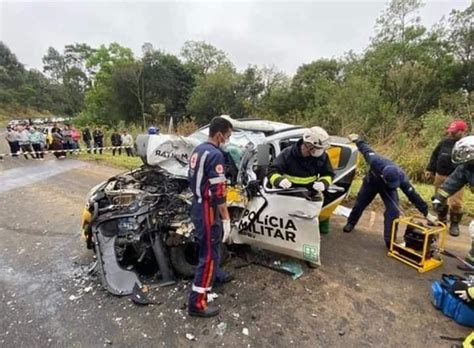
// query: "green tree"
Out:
[461,39]
[101,99]
[11,74]
[312,82]
[54,65]
[399,21]
[128,91]
[167,81]
[202,57]
[215,94]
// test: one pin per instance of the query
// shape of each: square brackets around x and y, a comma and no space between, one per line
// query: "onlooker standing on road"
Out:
[116,141]
[440,167]
[57,145]
[98,140]
[127,140]
[56,129]
[12,138]
[76,136]
[68,143]
[37,141]
[24,141]
[87,137]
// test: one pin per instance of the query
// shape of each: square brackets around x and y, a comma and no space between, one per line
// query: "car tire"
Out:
[184,258]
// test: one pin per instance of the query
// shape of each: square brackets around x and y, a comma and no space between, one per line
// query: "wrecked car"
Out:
[138,222]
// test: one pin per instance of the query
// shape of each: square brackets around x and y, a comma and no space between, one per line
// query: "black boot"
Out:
[210,311]
[443,215]
[454,226]
[348,228]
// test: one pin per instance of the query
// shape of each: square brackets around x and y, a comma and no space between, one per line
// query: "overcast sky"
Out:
[283,33]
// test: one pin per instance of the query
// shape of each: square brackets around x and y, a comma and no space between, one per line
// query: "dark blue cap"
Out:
[391,176]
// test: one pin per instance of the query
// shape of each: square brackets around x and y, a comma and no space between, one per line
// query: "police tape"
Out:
[67,151]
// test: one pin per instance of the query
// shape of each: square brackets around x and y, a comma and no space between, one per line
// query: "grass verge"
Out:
[118,161]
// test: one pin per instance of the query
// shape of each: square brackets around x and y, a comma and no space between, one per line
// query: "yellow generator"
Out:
[420,244]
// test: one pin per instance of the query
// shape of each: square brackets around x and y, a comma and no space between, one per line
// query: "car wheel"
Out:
[184,258]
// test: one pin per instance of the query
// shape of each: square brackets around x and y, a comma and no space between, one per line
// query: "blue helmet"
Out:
[391,176]
[152,130]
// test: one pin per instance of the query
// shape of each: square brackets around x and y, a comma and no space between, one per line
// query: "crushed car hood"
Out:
[169,152]
[172,152]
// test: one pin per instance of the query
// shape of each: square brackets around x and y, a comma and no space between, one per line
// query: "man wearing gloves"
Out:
[304,164]
[440,166]
[463,156]
[384,178]
[209,214]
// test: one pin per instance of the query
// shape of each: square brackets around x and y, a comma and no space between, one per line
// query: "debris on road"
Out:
[190,337]
[292,267]
[342,211]
[221,328]
[245,331]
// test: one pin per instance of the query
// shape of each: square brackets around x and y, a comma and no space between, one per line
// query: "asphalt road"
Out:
[358,298]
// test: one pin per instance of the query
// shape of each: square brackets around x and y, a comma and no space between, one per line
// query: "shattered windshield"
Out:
[240,138]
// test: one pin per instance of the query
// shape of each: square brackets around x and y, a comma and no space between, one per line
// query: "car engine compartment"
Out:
[146,213]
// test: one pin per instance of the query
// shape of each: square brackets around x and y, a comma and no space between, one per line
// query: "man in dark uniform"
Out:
[209,214]
[87,137]
[384,178]
[98,140]
[463,156]
[440,167]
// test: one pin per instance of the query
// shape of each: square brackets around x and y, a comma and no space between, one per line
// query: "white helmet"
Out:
[316,136]
[463,150]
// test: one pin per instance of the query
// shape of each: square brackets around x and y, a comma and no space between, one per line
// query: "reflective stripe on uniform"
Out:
[200,290]
[274,177]
[217,180]
[301,180]
[200,175]
[328,179]
[443,193]
[470,291]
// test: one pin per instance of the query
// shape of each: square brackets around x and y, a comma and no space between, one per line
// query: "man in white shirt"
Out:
[127,140]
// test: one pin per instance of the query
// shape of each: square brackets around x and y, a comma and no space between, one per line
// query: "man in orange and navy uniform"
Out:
[209,214]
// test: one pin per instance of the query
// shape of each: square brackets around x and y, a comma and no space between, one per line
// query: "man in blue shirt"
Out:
[209,213]
[384,178]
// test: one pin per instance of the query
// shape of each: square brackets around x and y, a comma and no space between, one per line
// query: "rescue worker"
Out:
[463,156]
[384,178]
[208,212]
[304,164]
[440,166]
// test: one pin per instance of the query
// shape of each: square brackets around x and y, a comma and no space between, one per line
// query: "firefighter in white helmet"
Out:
[463,175]
[304,164]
